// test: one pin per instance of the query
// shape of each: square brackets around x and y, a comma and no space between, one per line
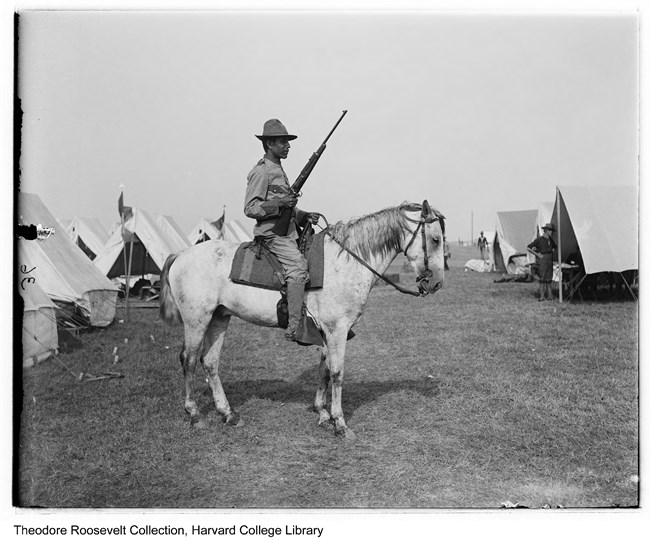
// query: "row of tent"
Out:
[600,224]
[71,271]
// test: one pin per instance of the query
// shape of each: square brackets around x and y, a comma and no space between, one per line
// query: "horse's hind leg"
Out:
[321,392]
[212,352]
[188,357]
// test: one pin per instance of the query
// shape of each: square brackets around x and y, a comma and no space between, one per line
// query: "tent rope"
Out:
[53,354]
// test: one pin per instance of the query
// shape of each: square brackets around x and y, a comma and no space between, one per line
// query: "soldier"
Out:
[267,194]
[447,253]
[483,245]
[542,248]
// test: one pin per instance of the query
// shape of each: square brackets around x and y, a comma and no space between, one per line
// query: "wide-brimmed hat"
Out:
[548,226]
[274,128]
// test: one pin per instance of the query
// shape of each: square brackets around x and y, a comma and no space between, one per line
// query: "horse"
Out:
[196,291]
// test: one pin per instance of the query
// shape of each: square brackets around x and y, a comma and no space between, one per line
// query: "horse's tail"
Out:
[168,308]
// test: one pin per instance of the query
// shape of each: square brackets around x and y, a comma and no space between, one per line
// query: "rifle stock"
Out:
[282,225]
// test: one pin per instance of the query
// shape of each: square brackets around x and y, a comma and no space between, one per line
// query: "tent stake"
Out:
[628,286]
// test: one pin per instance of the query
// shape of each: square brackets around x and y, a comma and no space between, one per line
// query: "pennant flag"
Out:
[125,211]
[219,223]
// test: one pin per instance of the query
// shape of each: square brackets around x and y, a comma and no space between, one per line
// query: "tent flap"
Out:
[601,223]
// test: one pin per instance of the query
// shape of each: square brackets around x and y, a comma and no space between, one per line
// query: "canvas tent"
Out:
[514,230]
[88,234]
[601,224]
[204,231]
[60,267]
[152,244]
[172,230]
[231,231]
[234,232]
[39,337]
[544,215]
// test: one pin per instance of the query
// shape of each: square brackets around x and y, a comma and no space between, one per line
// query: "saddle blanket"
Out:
[255,265]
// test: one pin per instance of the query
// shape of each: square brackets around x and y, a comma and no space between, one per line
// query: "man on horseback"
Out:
[268,192]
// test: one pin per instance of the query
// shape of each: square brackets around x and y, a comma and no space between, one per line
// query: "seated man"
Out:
[268,192]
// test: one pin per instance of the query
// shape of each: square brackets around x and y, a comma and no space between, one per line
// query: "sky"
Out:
[475,112]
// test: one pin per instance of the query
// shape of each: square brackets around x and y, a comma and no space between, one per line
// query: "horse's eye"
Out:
[436,240]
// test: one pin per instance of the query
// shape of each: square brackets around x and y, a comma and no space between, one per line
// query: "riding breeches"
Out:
[292,260]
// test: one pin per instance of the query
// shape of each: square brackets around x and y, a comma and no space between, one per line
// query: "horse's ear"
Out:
[426,210]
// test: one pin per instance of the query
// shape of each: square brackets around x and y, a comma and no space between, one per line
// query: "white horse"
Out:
[197,291]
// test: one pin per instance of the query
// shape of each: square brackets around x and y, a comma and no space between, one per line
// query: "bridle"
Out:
[422,280]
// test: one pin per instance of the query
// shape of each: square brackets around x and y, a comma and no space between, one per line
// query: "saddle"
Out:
[255,265]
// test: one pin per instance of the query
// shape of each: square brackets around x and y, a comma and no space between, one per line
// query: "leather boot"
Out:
[295,295]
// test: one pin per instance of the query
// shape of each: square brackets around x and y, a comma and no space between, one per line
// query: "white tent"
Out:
[40,338]
[544,215]
[60,267]
[151,245]
[172,230]
[514,230]
[88,234]
[204,231]
[601,223]
[232,231]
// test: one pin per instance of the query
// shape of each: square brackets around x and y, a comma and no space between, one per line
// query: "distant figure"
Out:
[542,248]
[482,246]
[447,253]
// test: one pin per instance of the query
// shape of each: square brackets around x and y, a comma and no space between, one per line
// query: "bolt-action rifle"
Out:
[282,225]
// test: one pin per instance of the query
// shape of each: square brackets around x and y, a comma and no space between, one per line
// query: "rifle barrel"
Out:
[337,123]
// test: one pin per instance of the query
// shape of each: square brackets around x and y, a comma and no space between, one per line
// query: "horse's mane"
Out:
[378,233]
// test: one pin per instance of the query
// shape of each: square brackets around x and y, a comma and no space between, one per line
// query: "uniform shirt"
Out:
[543,245]
[267,182]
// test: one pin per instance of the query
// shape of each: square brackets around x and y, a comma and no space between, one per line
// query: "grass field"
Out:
[471,397]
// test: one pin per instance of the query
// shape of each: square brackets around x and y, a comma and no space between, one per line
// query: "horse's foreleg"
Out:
[336,355]
[214,342]
[321,391]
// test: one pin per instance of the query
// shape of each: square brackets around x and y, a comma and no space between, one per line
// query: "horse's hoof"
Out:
[324,418]
[198,423]
[233,419]
[345,432]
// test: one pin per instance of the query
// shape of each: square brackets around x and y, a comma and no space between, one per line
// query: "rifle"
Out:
[282,225]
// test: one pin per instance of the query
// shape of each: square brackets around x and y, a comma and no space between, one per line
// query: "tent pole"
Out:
[558,204]
[128,278]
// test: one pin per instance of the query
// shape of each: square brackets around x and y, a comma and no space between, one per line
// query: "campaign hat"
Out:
[274,128]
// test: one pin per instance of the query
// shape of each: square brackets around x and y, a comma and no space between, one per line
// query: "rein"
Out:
[423,279]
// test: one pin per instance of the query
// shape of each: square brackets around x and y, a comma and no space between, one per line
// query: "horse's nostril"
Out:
[437,286]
